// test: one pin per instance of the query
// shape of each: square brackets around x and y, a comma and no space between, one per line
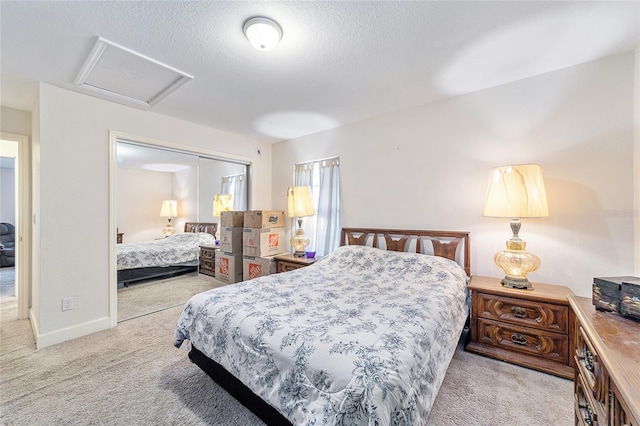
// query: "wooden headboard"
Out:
[209,228]
[439,243]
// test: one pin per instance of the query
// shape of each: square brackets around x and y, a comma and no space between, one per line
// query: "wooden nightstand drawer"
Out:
[208,264]
[207,254]
[542,344]
[208,260]
[287,262]
[525,327]
[527,313]
[288,266]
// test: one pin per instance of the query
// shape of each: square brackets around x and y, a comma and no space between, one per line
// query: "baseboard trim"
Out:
[34,322]
[69,333]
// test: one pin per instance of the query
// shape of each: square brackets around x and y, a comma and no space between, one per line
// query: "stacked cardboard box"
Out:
[229,260]
[263,237]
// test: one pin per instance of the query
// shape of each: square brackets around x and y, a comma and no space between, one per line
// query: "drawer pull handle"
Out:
[588,360]
[588,414]
[518,339]
[519,312]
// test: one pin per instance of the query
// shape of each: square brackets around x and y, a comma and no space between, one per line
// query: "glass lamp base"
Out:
[168,230]
[516,263]
[299,242]
[520,283]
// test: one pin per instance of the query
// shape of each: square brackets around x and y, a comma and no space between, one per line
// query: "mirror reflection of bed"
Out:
[147,176]
[154,275]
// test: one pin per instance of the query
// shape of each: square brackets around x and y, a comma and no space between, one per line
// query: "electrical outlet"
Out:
[67,303]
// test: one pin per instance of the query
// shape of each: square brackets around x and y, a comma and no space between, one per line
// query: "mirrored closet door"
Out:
[166,222]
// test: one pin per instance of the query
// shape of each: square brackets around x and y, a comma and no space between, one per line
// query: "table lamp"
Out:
[299,205]
[169,209]
[516,192]
[221,203]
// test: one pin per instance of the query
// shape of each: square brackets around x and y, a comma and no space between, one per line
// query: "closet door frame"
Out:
[114,138]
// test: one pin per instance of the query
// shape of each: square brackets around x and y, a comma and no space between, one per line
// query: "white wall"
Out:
[428,168]
[184,187]
[15,121]
[140,196]
[71,199]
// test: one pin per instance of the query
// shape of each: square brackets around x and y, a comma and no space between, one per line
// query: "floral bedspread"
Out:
[174,250]
[361,337]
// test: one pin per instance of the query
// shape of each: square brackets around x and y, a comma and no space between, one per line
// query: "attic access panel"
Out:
[116,73]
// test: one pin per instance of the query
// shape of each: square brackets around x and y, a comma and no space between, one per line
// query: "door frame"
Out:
[23,225]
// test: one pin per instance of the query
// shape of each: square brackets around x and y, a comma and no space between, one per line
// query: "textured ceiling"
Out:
[338,62]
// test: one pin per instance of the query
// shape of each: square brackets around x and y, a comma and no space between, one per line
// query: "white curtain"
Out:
[328,226]
[237,187]
[323,177]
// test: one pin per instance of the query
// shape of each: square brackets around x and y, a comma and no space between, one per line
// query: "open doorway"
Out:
[9,214]
[17,148]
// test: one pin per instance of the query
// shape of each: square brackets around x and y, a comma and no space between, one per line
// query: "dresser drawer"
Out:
[542,316]
[530,341]
[207,266]
[288,266]
[591,371]
[584,413]
[207,253]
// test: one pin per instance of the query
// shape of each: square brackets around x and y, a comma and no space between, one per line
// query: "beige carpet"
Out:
[133,375]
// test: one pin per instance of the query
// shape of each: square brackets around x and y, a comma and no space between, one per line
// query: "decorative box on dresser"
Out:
[208,260]
[524,327]
[288,262]
[607,358]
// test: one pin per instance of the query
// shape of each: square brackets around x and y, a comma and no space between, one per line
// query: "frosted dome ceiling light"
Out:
[263,33]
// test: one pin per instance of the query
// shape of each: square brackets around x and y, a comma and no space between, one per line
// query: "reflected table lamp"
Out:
[222,203]
[516,192]
[299,205]
[169,209]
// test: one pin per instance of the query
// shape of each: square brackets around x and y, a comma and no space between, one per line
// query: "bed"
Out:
[162,258]
[362,336]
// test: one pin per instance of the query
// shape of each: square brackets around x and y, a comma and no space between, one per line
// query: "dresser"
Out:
[208,260]
[524,327]
[288,262]
[607,359]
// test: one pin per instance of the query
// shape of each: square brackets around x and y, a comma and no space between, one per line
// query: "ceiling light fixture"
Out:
[263,33]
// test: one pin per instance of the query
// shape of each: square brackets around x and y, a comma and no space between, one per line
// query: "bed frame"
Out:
[129,276]
[442,243]
[439,243]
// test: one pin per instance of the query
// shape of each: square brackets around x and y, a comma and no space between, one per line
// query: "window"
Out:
[237,187]
[323,176]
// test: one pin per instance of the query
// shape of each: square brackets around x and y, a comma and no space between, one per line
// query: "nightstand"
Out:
[287,262]
[524,327]
[119,237]
[208,259]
